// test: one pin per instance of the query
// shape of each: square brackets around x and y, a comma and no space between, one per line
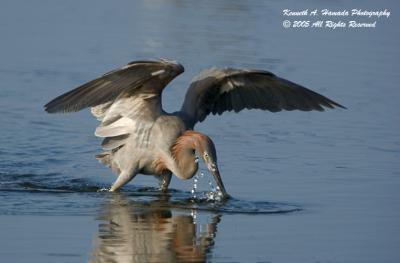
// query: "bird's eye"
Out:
[206,155]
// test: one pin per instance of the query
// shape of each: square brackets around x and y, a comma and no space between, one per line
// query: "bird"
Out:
[139,137]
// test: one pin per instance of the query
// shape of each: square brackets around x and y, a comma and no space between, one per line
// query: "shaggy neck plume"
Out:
[183,151]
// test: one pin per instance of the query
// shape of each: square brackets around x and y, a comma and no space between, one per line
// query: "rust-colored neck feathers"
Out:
[183,151]
[189,140]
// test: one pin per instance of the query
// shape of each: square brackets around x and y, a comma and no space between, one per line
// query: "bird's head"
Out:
[185,151]
[204,148]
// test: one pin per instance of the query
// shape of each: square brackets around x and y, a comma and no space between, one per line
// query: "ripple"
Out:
[54,195]
[51,182]
[184,201]
[235,206]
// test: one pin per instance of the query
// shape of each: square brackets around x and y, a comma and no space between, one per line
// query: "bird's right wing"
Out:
[127,81]
[126,100]
[218,90]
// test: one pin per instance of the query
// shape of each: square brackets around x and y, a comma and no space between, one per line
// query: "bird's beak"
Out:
[217,177]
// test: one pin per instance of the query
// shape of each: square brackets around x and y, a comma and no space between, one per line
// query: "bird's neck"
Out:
[183,152]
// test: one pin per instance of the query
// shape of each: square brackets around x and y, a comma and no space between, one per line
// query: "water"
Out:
[306,187]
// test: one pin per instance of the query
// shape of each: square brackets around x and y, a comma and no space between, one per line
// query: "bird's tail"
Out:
[106,159]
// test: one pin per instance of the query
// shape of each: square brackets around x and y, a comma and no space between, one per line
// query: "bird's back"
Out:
[136,137]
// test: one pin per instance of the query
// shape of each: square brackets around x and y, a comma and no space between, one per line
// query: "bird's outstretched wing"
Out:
[126,101]
[127,81]
[218,90]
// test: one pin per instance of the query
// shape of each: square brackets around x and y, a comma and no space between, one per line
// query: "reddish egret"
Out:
[140,137]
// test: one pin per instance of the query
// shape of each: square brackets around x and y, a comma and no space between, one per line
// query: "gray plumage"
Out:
[140,137]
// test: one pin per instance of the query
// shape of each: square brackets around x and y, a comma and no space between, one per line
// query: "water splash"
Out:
[193,214]
[194,187]
[213,194]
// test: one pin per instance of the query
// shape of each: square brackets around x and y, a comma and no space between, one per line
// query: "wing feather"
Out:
[128,79]
[218,90]
[126,101]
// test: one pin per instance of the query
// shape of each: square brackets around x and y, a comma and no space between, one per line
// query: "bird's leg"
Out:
[165,179]
[123,178]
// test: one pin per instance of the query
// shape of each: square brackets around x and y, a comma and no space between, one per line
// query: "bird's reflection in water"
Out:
[133,231]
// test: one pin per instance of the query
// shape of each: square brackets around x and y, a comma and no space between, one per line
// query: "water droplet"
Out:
[193,213]
[194,187]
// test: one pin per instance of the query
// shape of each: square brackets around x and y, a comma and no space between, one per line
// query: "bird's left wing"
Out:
[218,90]
[127,80]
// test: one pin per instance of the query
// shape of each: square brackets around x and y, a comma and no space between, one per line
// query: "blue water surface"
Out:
[306,186]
